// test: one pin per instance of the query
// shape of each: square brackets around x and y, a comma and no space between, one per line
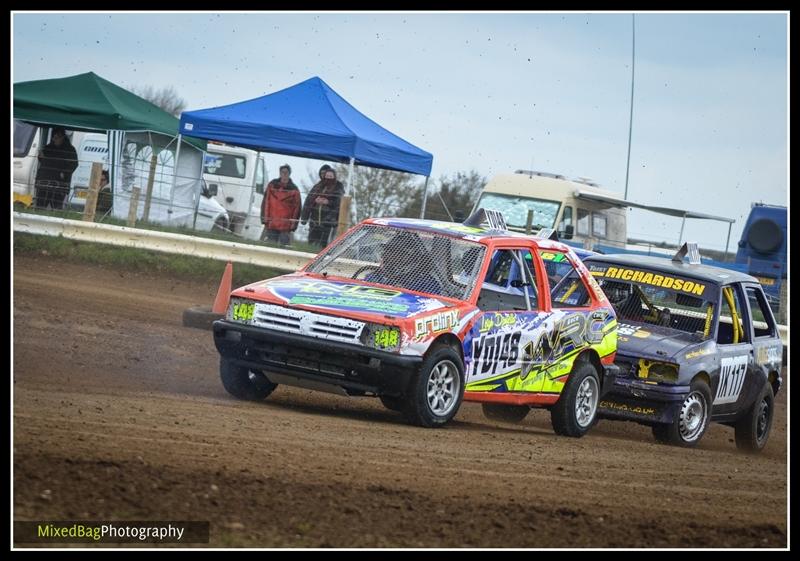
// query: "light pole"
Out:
[630,122]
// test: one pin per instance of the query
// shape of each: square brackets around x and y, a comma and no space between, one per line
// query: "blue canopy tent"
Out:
[308,120]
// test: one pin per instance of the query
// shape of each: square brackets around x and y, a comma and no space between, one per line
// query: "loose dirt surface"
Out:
[119,413]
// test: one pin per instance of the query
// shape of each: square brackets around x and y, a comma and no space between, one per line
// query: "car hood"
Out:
[341,297]
[643,340]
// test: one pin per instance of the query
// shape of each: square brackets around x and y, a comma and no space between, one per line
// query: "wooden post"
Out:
[133,207]
[529,223]
[94,188]
[150,179]
[344,215]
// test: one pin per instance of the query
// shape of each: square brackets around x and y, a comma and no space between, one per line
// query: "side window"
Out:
[566,219]
[502,289]
[763,322]
[500,268]
[598,225]
[567,289]
[583,222]
[731,325]
[260,176]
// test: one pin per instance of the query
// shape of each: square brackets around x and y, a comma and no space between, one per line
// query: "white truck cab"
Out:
[237,179]
[558,203]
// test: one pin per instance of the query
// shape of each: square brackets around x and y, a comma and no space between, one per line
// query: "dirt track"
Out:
[119,414]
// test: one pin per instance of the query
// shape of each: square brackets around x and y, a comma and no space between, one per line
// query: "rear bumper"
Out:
[355,368]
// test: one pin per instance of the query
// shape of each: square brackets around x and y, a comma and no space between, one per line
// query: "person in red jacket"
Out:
[280,209]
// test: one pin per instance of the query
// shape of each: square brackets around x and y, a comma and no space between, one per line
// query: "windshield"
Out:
[226,165]
[23,138]
[515,209]
[655,298]
[403,258]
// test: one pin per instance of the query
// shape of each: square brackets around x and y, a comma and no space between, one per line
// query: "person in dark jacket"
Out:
[280,209]
[321,209]
[57,161]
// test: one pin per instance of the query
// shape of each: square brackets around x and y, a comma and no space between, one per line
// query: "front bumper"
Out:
[634,399]
[355,368]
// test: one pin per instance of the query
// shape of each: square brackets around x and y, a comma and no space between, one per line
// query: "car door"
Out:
[510,323]
[734,380]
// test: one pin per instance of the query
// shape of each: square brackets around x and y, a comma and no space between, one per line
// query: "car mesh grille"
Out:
[304,322]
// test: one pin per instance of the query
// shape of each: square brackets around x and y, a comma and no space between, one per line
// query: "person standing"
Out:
[57,161]
[280,208]
[321,209]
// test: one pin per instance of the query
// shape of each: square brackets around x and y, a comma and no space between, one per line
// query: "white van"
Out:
[571,206]
[237,178]
[93,147]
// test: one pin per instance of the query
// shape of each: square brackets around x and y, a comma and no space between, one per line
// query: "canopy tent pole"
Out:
[728,241]
[683,223]
[424,197]
[175,174]
[352,187]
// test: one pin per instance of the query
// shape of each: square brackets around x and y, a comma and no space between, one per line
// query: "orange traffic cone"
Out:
[224,292]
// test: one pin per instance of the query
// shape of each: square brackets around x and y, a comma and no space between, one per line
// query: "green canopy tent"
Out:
[136,129]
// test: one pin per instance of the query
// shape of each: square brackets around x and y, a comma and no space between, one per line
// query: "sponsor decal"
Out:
[653,279]
[549,347]
[766,355]
[435,323]
[350,290]
[634,330]
[625,408]
[351,303]
[731,379]
[699,352]
[553,256]
[497,320]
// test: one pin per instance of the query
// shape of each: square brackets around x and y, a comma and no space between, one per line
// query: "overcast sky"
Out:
[490,92]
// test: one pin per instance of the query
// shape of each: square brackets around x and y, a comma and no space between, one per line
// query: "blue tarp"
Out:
[309,120]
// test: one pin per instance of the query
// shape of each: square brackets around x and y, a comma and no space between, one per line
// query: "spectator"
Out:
[280,208]
[322,208]
[104,199]
[57,161]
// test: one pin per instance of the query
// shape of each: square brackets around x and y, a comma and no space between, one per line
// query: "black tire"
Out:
[220,225]
[200,317]
[565,416]
[696,407]
[752,429]
[392,403]
[505,413]
[417,407]
[243,383]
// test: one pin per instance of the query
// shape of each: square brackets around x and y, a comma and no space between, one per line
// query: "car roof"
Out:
[707,273]
[458,230]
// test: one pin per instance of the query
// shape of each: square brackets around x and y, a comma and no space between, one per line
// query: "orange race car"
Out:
[424,314]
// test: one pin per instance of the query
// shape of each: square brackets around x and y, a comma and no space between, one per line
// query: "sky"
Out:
[493,92]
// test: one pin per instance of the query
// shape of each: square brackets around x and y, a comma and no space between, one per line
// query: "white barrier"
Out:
[281,259]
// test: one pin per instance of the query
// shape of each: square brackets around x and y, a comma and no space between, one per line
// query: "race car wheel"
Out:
[505,413]
[436,389]
[244,383]
[752,430]
[392,403]
[691,419]
[576,410]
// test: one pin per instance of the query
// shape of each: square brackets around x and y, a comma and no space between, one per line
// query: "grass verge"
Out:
[138,260]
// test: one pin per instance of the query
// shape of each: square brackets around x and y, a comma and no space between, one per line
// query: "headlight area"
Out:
[381,337]
[658,371]
[241,310]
